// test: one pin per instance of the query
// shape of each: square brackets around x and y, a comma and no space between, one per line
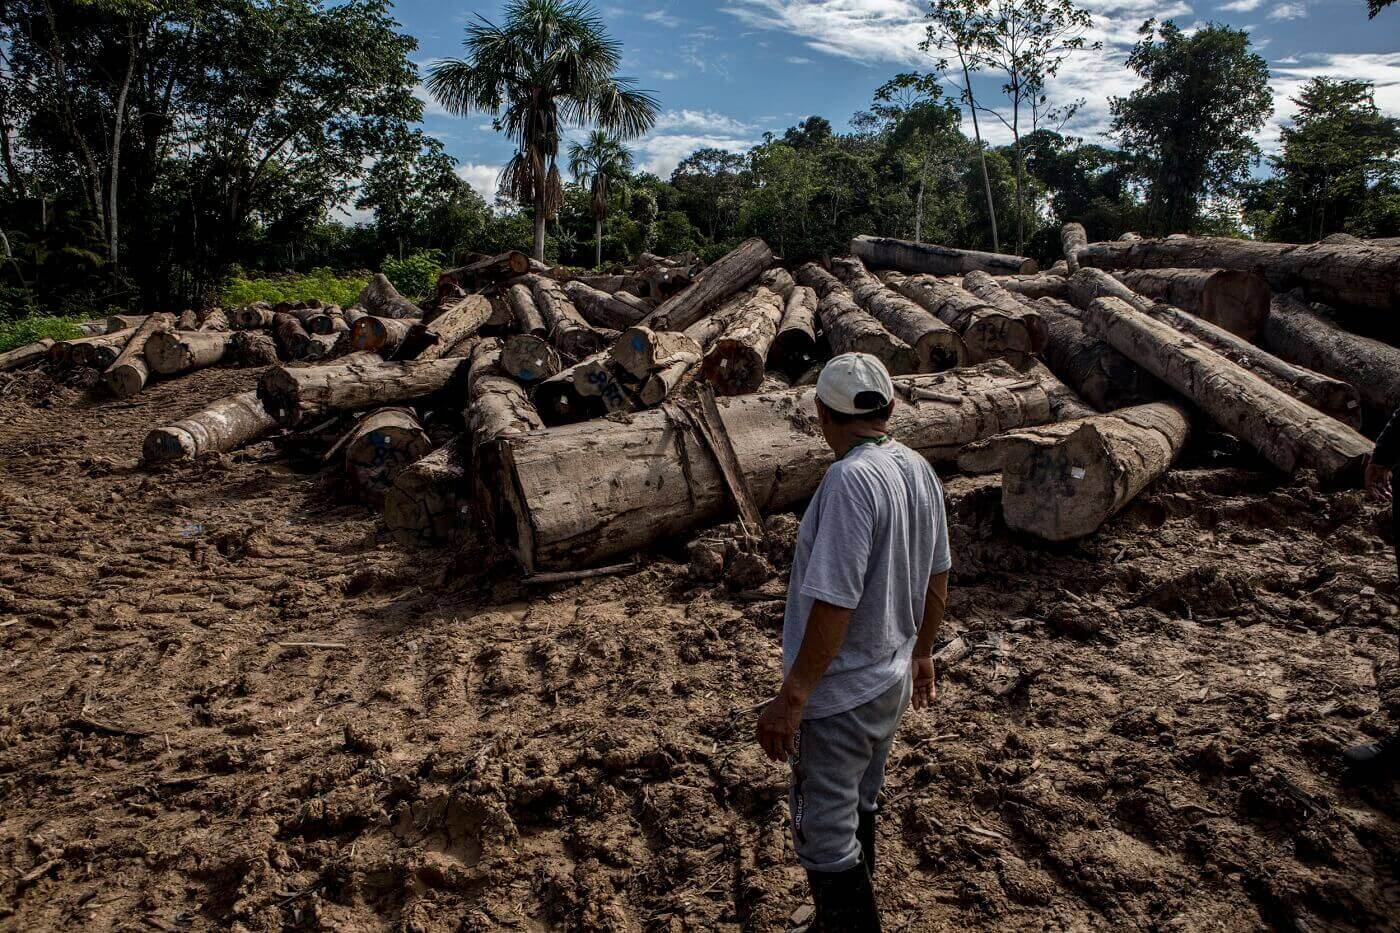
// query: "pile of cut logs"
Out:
[573,418]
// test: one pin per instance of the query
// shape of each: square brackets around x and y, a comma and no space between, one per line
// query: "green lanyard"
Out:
[867,440]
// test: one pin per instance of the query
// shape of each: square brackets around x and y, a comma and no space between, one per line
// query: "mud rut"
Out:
[1143,733]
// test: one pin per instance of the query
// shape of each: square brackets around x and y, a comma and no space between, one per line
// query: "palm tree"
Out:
[549,66]
[597,163]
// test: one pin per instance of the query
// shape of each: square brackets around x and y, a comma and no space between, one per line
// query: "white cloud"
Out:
[797,60]
[706,121]
[662,18]
[1242,6]
[431,107]
[662,153]
[666,75]
[1288,75]
[1289,11]
[483,178]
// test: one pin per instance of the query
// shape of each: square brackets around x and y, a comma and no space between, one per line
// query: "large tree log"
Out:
[928,258]
[1285,431]
[1063,481]
[380,445]
[1102,376]
[586,492]
[497,410]
[101,351]
[128,373]
[1072,240]
[1036,285]
[324,347]
[734,362]
[253,317]
[936,344]
[225,425]
[362,380]
[599,377]
[292,339]
[795,344]
[779,281]
[849,328]
[328,321]
[170,352]
[253,348]
[213,319]
[732,273]
[1324,393]
[380,298]
[121,322]
[558,400]
[528,319]
[430,341]
[529,358]
[568,331]
[425,504]
[988,333]
[986,288]
[491,270]
[1366,277]
[1296,332]
[614,311]
[75,352]
[23,356]
[1236,301]
[658,363]
[382,335]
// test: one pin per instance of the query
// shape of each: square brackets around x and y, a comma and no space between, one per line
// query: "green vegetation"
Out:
[318,283]
[414,276]
[33,329]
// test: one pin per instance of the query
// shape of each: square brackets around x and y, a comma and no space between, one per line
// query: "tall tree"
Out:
[1375,6]
[1190,127]
[598,163]
[550,65]
[1335,152]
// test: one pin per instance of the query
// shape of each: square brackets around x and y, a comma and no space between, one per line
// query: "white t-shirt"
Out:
[874,533]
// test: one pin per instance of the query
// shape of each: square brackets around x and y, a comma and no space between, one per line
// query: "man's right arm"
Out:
[935,605]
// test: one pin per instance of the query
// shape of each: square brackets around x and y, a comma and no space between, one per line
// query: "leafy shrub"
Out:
[416,275]
[319,283]
[15,303]
[33,329]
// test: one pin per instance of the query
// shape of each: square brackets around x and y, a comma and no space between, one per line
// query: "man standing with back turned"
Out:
[865,603]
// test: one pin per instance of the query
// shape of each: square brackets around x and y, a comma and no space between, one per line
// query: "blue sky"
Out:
[727,70]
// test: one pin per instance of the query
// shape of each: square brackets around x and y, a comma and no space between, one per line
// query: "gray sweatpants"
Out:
[837,773]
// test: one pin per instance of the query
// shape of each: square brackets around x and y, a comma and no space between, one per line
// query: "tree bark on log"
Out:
[382,335]
[329,321]
[1296,332]
[292,339]
[430,341]
[734,363]
[1072,240]
[1062,481]
[121,322]
[213,319]
[1328,395]
[292,395]
[849,328]
[1236,301]
[1365,277]
[558,401]
[497,410]
[253,317]
[1037,285]
[614,311]
[253,348]
[641,351]
[1065,404]
[170,352]
[575,337]
[984,287]
[529,358]
[936,344]
[988,333]
[660,479]
[795,344]
[1285,431]
[928,258]
[425,504]
[730,274]
[380,446]
[492,270]
[380,298]
[23,356]
[323,347]
[227,424]
[779,281]
[522,307]
[599,377]
[128,373]
[1102,376]
[100,351]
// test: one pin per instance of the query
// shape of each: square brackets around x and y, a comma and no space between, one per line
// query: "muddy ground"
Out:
[1143,735]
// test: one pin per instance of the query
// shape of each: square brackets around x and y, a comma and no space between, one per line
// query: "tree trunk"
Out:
[1296,332]
[733,272]
[497,411]
[491,270]
[1366,277]
[1065,405]
[568,331]
[795,345]
[936,344]
[983,286]
[576,501]
[851,329]
[641,351]
[225,425]
[23,356]
[430,341]
[522,307]
[381,445]
[1063,481]
[598,240]
[380,298]
[213,319]
[328,322]
[358,381]
[986,332]
[557,399]
[1327,395]
[529,358]
[777,280]
[1236,301]
[914,258]
[1036,285]
[981,150]
[169,353]
[252,317]
[1286,432]
[324,347]
[292,339]
[253,348]
[1072,240]
[425,504]
[539,221]
[382,335]
[119,322]
[734,362]
[617,312]
[1102,376]
[89,351]
[128,373]
[599,377]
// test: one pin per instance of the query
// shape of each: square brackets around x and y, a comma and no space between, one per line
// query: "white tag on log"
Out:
[1077,472]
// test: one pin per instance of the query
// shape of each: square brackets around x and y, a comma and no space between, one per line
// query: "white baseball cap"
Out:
[847,376]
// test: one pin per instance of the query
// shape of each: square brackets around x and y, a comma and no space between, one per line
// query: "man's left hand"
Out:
[777,726]
[925,683]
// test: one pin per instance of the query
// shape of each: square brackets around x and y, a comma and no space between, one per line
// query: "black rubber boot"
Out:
[1373,761]
[845,901]
[865,834]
